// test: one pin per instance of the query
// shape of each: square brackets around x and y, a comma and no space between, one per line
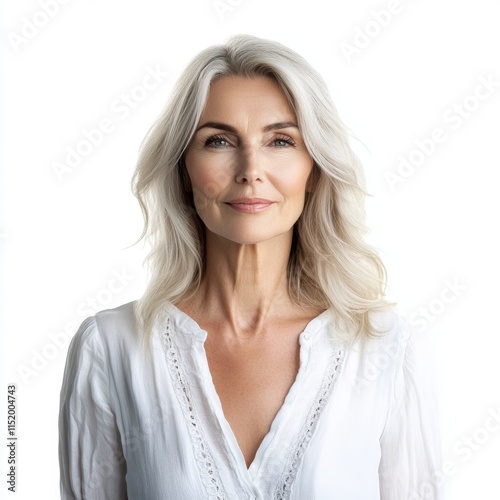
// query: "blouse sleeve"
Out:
[91,462]
[411,453]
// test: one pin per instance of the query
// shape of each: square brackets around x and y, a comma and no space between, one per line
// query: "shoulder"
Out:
[408,347]
[392,334]
[391,359]
[391,325]
[120,321]
[107,330]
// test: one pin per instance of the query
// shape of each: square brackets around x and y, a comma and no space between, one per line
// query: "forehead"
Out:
[238,95]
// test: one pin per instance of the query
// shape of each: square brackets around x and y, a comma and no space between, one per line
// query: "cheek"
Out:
[295,183]
[207,183]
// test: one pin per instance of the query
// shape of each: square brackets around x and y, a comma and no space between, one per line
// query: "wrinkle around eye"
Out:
[288,142]
[220,141]
[211,142]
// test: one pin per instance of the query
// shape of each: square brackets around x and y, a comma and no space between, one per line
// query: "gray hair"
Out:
[330,265]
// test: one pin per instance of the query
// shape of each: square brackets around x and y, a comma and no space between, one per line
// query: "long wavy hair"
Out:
[330,264]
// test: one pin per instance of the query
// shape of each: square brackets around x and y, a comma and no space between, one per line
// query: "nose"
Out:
[249,169]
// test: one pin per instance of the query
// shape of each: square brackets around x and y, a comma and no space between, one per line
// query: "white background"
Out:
[63,238]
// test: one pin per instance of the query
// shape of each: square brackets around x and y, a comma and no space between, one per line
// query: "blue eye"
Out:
[219,142]
[216,141]
[283,142]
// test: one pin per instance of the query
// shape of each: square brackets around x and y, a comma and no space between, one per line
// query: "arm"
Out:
[91,462]
[411,453]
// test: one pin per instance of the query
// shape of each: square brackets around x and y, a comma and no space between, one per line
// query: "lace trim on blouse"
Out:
[284,489]
[204,459]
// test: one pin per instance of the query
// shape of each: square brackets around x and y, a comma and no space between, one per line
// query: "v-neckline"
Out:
[285,406]
[288,412]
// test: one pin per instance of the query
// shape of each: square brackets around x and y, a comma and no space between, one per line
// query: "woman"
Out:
[262,361]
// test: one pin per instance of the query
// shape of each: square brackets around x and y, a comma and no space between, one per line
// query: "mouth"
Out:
[249,205]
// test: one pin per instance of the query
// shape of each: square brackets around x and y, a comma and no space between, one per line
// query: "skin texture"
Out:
[243,303]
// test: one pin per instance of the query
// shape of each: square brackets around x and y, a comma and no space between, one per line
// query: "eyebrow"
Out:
[233,130]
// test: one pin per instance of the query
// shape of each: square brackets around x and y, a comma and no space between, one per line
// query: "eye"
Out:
[283,141]
[217,141]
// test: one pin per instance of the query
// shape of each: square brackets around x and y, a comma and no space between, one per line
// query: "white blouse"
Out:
[360,422]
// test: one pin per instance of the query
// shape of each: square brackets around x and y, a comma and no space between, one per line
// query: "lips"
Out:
[249,205]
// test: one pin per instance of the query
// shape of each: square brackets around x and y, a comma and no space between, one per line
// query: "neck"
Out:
[246,285]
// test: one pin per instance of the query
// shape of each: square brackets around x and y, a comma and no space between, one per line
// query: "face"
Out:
[247,163]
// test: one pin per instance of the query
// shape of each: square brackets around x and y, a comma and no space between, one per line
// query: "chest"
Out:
[252,382]
[347,434]
[324,426]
